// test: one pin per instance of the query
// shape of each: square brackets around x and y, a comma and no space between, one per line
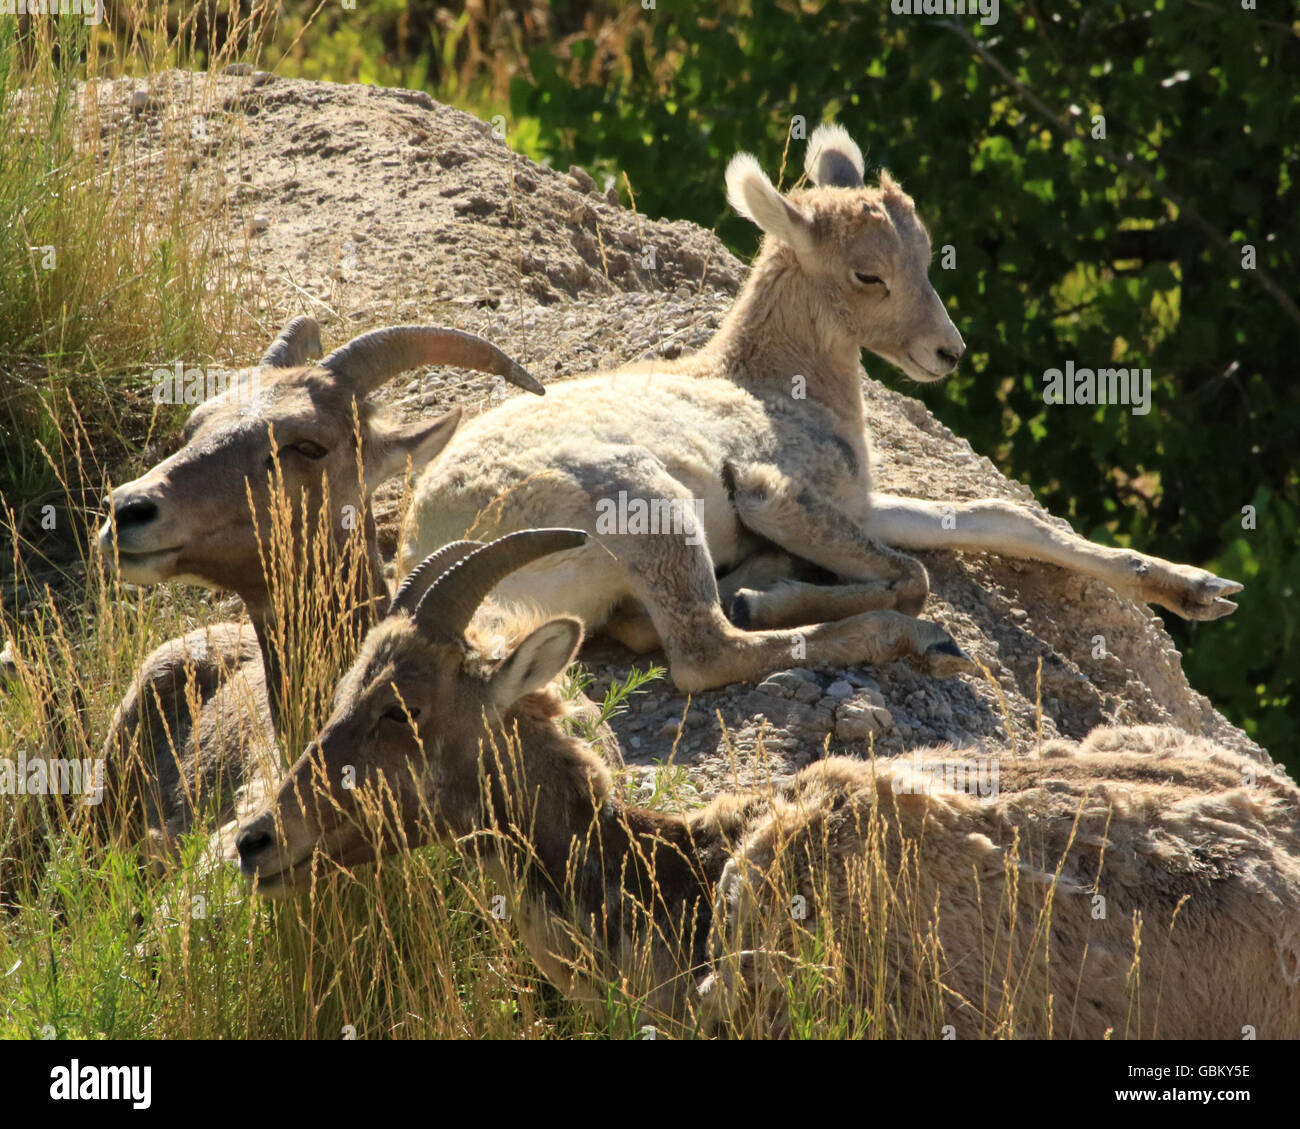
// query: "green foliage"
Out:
[1061,252]
[616,698]
[1126,250]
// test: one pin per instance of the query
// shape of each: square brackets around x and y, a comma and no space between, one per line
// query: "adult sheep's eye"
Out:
[868,279]
[309,450]
[400,715]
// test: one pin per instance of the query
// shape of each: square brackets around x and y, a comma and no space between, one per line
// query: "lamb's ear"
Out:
[752,195]
[833,159]
[390,445]
[536,660]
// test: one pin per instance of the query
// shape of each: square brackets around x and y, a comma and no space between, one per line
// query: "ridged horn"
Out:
[417,582]
[445,610]
[369,360]
[298,343]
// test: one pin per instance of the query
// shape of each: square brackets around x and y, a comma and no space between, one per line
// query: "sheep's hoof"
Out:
[945,659]
[739,612]
[1216,610]
[1202,599]
[1208,600]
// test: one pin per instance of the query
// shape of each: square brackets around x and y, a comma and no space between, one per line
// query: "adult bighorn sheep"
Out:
[762,433]
[1144,882]
[205,515]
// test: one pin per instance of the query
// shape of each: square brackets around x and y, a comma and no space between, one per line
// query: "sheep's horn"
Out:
[447,607]
[298,343]
[418,580]
[381,354]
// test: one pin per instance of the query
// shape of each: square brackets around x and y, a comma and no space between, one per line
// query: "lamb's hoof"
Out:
[1205,601]
[1216,610]
[739,613]
[945,659]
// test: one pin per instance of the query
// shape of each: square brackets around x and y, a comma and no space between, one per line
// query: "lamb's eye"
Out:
[400,715]
[868,279]
[309,450]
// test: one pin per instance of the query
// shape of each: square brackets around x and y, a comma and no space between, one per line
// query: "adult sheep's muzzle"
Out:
[143,555]
[264,857]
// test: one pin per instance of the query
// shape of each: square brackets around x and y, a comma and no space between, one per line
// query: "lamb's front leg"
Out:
[1010,530]
[830,530]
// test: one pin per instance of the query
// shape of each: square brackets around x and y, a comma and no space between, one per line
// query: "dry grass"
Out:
[94,943]
[423,944]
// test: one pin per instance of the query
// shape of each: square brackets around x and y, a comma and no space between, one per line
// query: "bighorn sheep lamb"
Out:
[719,485]
[1143,883]
[205,515]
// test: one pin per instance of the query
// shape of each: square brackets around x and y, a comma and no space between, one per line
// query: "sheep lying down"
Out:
[1143,883]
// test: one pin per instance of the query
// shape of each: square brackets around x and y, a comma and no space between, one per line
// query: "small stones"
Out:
[477,204]
[581,180]
[795,683]
[581,215]
[840,688]
[797,722]
[808,692]
[776,687]
[855,678]
[259,223]
[861,717]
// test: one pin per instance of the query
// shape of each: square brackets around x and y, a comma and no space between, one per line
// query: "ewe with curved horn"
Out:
[298,343]
[445,610]
[189,518]
[412,589]
[722,489]
[381,354]
[923,903]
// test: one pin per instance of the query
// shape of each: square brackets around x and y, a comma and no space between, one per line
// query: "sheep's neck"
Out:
[591,866]
[359,605]
[769,338]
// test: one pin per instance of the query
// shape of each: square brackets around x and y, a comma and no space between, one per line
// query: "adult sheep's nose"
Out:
[253,843]
[130,511]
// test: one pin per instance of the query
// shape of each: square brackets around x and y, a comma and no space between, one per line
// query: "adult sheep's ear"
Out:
[536,660]
[753,196]
[391,446]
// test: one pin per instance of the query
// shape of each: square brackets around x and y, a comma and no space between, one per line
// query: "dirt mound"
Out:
[365,206]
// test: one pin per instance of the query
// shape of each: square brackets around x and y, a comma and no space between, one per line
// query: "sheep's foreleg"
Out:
[1010,530]
[831,535]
